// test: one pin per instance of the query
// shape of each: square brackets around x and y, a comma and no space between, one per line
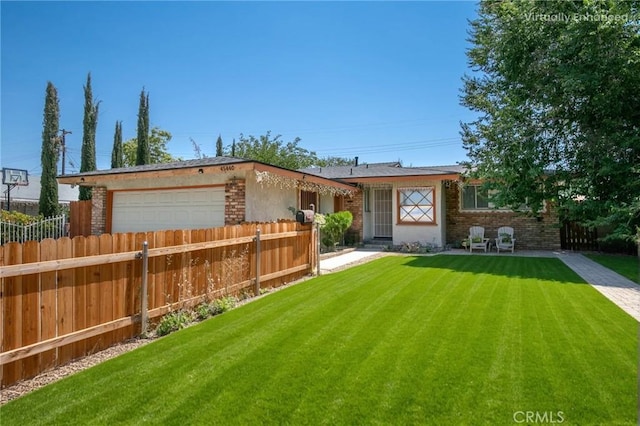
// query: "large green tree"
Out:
[143,149]
[556,89]
[158,152]
[48,205]
[89,126]
[275,151]
[117,156]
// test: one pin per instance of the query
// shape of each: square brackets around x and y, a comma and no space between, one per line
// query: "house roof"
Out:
[201,162]
[382,170]
[203,165]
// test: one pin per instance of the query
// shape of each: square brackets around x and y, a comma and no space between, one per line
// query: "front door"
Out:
[382,213]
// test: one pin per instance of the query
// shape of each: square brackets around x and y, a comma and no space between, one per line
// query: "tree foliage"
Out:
[117,155]
[143,150]
[556,89]
[89,126]
[219,147]
[158,153]
[275,151]
[48,205]
[197,150]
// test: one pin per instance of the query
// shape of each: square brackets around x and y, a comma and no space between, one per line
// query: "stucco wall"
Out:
[176,181]
[326,204]
[267,203]
[424,233]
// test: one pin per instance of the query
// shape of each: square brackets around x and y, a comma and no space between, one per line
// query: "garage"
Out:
[151,210]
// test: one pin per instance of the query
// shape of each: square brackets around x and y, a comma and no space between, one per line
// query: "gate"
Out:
[80,218]
[576,237]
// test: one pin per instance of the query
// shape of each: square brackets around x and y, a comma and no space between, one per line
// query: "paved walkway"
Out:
[341,261]
[620,290]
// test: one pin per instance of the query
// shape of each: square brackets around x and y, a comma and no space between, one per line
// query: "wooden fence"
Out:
[67,298]
[80,218]
[576,237]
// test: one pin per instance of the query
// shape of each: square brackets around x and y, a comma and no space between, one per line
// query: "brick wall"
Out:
[235,204]
[99,210]
[355,205]
[531,233]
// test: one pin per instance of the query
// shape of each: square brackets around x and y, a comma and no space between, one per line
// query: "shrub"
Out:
[203,311]
[335,227]
[223,305]
[173,321]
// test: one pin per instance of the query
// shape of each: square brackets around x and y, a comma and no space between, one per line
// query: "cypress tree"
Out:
[143,153]
[219,152]
[117,156]
[89,126]
[48,205]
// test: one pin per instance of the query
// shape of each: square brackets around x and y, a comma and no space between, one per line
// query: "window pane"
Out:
[469,197]
[483,198]
[416,205]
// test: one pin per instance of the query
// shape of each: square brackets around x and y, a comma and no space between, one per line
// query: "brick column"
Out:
[234,202]
[98,210]
[355,205]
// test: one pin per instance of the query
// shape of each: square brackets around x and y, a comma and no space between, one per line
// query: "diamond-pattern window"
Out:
[416,205]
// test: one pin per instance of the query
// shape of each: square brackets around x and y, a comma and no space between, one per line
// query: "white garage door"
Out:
[189,208]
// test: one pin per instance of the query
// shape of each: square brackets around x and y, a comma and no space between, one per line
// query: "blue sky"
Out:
[380,80]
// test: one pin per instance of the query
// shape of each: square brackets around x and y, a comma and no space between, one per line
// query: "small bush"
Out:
[203,311]
[173,321]
[223,305]
[177,320]
[335,227]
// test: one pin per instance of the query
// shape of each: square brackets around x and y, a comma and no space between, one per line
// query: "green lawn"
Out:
[627,266]
[443,340]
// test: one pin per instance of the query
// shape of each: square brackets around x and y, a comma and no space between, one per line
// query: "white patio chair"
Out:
[477,239]
[505,240]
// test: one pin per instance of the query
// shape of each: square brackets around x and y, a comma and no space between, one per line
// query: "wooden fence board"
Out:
[92,275]
[48,291]
[31,305]
[79,297]
[65,300]
[157,265]
[119,289]
[12,298]
[105,243]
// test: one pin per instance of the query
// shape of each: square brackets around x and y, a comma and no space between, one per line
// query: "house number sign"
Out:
[227,168]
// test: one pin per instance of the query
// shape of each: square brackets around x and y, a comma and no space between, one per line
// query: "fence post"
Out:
[144,315]
[257,285]
[317,227]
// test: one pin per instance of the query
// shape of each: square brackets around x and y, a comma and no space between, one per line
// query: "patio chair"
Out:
[505,240]
[477,239]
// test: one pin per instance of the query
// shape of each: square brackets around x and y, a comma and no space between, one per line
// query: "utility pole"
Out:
[62,147]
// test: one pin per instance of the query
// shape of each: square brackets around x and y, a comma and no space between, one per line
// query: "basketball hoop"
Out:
[13,178]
